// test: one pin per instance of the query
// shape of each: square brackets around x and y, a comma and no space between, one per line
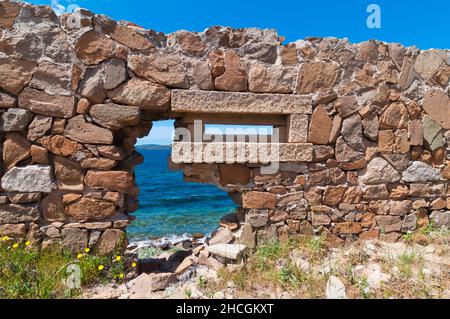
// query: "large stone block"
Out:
[14,213]
[115,116]
[81,131]
[228,102]
[31,178]
[259,200]
[110,180]
[51,105]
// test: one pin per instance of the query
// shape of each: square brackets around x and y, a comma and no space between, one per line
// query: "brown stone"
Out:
[270,79]
[335,129]
[81,131]
[234,78]
[395,117]
[344,153]
[375,192]
[23,198]
[332,195]
[69,198]
[415,132]
[371,234]
[16,148]
[368,220]
[259,200]
[52,207]
[110,180]
[75,239]
[83,106]
[386,141]
[111,152]
[129,36]
[58,126]
[39,127]
[59,145]
[89,209]
[93,47]
[146,95]
[190,43]
[217,62]
[39,155]
[437,105]
[69,174]
[352,132]
[399,192]
[288,54]
[317,77]
[115,116]
[112,241]
[6,101]
[166,69]
[15,74]
[99,163]
[13,230]
[42,103]
[234,174]
[346,228]
[8,12]
[347,105]
[353,195]
[320,127]
[389,224]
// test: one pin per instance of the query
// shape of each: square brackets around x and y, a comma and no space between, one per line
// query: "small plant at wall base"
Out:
[26,273]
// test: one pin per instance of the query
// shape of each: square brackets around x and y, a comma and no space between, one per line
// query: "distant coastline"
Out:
[154,147]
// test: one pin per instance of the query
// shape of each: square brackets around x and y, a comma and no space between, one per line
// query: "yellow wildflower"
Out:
[133,264]
[118,258]
[15,245]
[87,250]
[101,267]
[5,238]
[27,243]
[121,276]
[79,256]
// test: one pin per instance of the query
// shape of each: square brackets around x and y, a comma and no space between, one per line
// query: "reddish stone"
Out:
[259,200]
[110,180]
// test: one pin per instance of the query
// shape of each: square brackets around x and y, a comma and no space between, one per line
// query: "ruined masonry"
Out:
[364,128]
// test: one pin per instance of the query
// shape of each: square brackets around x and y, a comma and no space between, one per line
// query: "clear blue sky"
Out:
[425,24]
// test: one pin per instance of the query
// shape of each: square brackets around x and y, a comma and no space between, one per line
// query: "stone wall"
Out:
[370,123]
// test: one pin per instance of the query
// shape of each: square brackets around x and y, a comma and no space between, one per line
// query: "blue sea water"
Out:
[169,207]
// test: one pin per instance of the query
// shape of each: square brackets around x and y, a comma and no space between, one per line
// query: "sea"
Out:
[169,208]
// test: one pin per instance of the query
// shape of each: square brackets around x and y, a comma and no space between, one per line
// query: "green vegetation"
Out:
[28,274]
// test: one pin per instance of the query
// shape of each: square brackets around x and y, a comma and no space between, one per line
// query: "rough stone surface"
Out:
[15,120]
[51,105]
[16,148]
[14,213]
[432,133]
[114,116]
[31,178]
[111,180]
[317,77]
[420,172]
[69,174]
[437,104]
[39,127]
[259,200]
[81,131]
[379,171]
[112,241]
[320,126]
[89,209]
[145,94]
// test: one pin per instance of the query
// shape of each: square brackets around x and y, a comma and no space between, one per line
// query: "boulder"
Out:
[31,178]
[110,180]
[14,213]
[89,209]
[352,132]
[39,127]
[93,47]
[74,239]
[419,172]
[223,236]
[229,251]
[317,77]
[69,174]
[379,171]
[112,241]
[15,74]
[15,119]
[42,103]
[145,94]
[115,116]
[16,148]
[59,145]
[261,200]
[81,131]
[165,69]
[432,133]
[320,126]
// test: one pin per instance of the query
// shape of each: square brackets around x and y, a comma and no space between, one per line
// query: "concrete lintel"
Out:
[260,153]
[239,102]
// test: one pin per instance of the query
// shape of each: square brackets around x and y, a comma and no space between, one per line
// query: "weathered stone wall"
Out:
[369,123]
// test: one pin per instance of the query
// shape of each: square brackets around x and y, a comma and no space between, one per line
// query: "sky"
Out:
[425,24]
